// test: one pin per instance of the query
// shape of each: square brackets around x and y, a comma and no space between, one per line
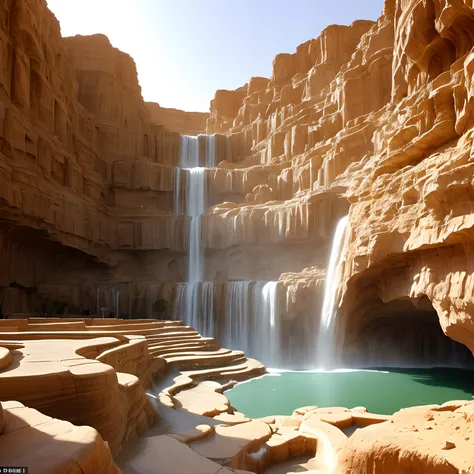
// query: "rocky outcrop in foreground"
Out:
[427,439]
[96,372]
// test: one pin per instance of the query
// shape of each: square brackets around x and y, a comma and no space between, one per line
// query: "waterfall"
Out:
[252,321]
[189,151]
[326,334]
[237,315]
[271,322]
[195,298]
[195,301]
[195,206]
[177,191]
[211,151]
[242,315]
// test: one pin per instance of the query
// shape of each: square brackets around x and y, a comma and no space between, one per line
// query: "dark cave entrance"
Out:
[401,333]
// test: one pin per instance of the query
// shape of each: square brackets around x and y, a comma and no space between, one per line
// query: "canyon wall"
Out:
[184,123]
[380,114]
[77,146]
[373,120]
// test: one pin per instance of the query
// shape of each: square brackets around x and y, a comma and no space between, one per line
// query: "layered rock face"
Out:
[371,119]
[184,123]
[93,374]
[380,113]
[78,145]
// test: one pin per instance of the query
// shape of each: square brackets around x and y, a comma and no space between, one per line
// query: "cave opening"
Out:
[401,333]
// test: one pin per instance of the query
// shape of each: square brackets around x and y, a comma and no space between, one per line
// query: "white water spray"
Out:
[326,334]
[177,192]
[271,322]
[195,298]
[195,206]
[195,304]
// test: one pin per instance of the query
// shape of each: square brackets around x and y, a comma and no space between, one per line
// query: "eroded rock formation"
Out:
[374,120]
[381,113]
[93,374]
[184,123]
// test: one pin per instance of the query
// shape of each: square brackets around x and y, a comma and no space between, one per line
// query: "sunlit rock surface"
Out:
[374,120]
[93,373]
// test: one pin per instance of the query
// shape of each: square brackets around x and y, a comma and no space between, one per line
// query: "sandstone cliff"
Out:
[184,123]
[76,138]
[374,119]
[382,114]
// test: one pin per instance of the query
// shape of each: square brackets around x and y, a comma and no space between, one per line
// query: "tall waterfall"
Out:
[326,334]
[249,311]
[195,313]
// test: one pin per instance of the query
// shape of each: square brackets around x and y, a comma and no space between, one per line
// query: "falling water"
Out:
[237,315]
[195,206]
[195,298]
[190,148]
[247,319]
[195,304]
[189,151]
[271,322]
[251,321]
[325,344]
[177,192]
[211,151]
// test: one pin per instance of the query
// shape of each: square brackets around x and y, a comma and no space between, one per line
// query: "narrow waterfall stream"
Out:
[271,323]
[237,315]
[326,351]
[195,206]
[247,316]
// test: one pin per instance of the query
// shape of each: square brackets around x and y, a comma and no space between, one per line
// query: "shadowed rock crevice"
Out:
[399,333]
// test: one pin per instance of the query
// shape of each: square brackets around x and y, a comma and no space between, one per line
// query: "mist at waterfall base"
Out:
[241,315]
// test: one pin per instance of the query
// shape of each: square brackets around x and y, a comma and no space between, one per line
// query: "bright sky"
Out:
[187,49]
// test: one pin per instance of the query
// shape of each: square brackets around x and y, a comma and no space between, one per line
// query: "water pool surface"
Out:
[382,391]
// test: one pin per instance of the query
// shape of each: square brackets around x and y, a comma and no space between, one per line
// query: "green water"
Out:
[384,391]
